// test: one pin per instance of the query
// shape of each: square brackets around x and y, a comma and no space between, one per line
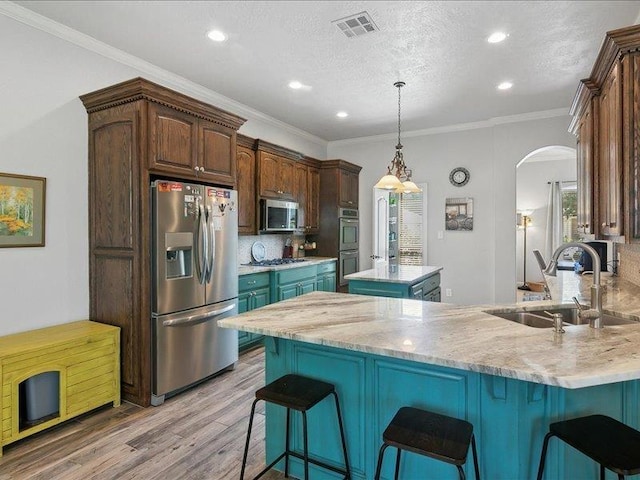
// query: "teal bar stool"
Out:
[426,433]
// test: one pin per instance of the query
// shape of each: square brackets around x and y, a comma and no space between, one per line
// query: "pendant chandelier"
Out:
[398,177]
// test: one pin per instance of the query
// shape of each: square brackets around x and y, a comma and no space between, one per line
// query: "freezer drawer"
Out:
[189,347]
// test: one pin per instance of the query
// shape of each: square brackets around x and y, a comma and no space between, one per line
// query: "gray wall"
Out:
[479,266]
[43,132]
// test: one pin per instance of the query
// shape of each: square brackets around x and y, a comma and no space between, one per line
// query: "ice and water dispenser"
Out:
[179,249]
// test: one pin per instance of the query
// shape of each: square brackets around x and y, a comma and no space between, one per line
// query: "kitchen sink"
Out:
[539,319]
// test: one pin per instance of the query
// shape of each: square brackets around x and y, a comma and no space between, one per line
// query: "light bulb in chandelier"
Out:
[398,177]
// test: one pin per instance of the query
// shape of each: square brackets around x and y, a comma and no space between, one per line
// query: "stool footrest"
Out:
[319,463]
[270,466]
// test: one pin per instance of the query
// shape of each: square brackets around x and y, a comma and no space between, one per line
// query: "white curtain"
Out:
[554,220]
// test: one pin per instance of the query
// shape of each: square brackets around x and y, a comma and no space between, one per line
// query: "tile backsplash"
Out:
[629,268]
[273,243]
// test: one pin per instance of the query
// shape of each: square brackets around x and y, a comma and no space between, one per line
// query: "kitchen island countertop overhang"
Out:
[463,337]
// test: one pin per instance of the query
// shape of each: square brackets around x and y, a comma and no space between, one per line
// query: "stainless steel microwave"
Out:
[278,216]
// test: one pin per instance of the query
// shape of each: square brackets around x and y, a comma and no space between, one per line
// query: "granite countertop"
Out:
[249,269]
[395,274]
[466,337]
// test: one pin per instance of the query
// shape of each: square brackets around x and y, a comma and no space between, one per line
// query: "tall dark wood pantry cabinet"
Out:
[139,130]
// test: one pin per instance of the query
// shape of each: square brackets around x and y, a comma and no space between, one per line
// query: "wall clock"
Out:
[459,176]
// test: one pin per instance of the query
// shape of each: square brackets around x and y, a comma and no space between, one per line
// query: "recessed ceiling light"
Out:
[342,114]
[496,37]
[505,86]
[217,36]
[295,85]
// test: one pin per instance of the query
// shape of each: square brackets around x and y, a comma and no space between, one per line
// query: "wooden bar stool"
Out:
[614,445]
[295,392]
[437,436]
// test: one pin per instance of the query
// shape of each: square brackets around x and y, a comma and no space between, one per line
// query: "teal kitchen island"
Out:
[509,380]
[420,282]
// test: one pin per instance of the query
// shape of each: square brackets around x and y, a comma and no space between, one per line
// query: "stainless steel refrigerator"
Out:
[195,283]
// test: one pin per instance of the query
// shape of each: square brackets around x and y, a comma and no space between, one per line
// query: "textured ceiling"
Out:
[438,48]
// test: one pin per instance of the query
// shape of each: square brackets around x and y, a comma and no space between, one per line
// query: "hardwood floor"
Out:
[198,434]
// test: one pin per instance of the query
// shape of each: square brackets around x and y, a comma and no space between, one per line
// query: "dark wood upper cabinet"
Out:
[610,158]
[301,192]
[217,153]
[173,137]
[266,170]
[586,143]
[631,146]
[313,200]
[247,204]
[276,176]
[605,114]
[348,188]
[190,147]
[138,129]
[340,184]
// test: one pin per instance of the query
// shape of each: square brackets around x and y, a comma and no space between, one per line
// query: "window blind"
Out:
[410,212]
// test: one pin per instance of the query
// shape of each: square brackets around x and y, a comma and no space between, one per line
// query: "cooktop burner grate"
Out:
[274,261]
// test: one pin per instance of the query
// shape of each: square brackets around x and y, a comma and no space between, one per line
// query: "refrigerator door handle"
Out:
[212,243]
[201,245]
[195,319]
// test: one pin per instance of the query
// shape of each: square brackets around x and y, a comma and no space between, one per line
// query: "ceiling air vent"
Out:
[356,25]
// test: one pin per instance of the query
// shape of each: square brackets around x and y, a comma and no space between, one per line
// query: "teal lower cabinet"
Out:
[326,277]
[253,293]
[510,417]
[292,282]
[427,289]
[259,289]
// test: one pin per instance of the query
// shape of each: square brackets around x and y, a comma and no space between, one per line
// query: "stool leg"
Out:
[246,445]
[395,477]
[380,455]
[344,442]
[543,456]
[620,476]
[306,447]
[475,456]
[601,472]
[461,472]
[286,451]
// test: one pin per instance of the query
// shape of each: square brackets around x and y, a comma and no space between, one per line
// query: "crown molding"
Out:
[492,122]
[167,78]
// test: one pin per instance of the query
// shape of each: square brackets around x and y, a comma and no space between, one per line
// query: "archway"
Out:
[534,175]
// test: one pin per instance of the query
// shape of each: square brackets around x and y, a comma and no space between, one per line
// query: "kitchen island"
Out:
[510,381]
[420,282]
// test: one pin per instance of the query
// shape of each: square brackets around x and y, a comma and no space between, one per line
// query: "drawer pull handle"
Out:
[252,282]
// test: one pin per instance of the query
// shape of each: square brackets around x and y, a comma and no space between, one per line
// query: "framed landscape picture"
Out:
[22,205]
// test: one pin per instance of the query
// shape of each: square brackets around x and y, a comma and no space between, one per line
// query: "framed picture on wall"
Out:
[22,207]
[458,213]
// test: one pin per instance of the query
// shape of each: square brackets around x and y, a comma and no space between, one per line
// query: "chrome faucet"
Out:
[593,314]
